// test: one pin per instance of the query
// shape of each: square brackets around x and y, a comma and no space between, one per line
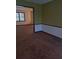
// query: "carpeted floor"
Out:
[39,45]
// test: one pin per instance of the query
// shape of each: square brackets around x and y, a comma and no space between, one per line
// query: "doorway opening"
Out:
[24,19]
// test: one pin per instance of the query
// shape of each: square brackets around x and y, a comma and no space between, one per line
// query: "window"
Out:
[20,16]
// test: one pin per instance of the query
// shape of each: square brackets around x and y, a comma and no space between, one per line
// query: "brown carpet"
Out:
[40,45]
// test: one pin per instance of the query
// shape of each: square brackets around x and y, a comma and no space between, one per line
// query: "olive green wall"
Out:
[52,13]
[49,13]
[37,9]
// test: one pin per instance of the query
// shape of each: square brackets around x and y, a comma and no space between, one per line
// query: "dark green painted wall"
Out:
[37,9]
[52,13]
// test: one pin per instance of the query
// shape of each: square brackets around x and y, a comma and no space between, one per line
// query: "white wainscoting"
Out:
[49,29]
[52,30]
[38,27]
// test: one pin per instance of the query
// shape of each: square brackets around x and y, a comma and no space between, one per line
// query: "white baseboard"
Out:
[38,27]
[49,29]
[52,30]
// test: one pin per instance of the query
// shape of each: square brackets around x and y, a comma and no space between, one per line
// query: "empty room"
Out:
[38,29]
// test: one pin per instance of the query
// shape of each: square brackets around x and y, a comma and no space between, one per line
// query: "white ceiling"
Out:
[39,1]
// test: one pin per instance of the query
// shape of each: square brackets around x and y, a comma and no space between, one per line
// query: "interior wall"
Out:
[52,13]
[28,15]
[49,13]
[37,9]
